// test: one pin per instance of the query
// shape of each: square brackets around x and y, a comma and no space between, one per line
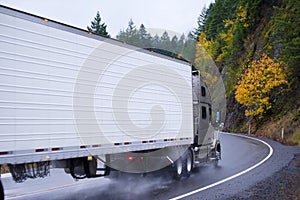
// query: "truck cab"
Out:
[205,140]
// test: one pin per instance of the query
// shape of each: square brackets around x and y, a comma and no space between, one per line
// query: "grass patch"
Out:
[296,137]
[297,115]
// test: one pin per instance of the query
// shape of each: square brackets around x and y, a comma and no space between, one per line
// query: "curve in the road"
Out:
[233,176]
[241,154]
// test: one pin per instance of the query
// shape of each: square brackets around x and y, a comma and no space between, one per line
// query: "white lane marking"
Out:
[233,176]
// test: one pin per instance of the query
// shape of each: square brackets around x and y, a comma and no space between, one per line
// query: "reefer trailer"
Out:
[70,98]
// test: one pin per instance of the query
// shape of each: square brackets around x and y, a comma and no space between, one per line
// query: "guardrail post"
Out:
[282,133]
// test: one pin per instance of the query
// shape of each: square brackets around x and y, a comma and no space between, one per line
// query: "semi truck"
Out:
[72,99]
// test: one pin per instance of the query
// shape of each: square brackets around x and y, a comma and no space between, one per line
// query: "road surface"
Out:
[236,172]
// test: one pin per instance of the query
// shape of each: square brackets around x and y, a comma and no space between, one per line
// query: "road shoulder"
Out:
[284,184]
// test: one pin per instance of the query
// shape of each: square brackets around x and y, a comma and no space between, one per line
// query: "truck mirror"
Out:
[217,116]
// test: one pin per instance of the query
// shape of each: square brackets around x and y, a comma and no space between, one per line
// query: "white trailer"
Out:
[71,97]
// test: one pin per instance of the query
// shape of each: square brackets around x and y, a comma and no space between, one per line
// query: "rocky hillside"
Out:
[256,45]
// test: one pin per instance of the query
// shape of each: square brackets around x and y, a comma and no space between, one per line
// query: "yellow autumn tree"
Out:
[202,52]
[203,59]
[257,82]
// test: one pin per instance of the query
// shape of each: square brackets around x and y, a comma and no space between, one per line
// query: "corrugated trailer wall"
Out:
[63,90]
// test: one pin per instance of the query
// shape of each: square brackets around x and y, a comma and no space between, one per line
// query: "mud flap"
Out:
[1,190]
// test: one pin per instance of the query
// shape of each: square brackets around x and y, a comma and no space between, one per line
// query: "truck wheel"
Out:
[107,170]
[188,164]
[217,152]
[113,175]
[1,190]
[216,162]
[178,169]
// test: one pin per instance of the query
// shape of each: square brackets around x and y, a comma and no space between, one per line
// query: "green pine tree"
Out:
[145,37]
[130,35]
[189,48]
[201,23]
[97,27]
[165,41]
[156,41]
[174,44]
[180,43]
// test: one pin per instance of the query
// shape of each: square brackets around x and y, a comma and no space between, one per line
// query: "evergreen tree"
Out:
[122,36]
[131,29]
[145,37]
[287,30]
[174,44]
[215,17]
[141,38]
[180,43]
[165,41]
[156,41]
[97,27]
[189,49]
[201,23]
[131,35]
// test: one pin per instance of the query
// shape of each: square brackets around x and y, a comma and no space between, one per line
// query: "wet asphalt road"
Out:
[238,154]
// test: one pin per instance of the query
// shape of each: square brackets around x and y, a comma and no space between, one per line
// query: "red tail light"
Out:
[130,158]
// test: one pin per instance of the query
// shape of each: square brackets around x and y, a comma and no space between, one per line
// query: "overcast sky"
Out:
[176,15]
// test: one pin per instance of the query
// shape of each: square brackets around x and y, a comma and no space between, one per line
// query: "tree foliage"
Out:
[201,24]
[184,47]
[227,24]
[203,60]
[287,34]
[131,35]
[258,82]
[97,27]
[232,36]
[238,35]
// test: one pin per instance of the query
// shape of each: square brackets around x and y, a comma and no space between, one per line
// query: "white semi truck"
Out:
[70,98]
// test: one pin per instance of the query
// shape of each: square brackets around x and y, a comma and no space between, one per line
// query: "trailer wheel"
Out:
[178,169]
[1,190]
[77,168]
[188,165]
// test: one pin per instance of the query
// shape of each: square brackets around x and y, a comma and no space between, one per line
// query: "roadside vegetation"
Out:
[256,46]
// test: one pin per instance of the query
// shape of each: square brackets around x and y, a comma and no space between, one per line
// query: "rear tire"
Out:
[217,152]
[188,165]
[178,169]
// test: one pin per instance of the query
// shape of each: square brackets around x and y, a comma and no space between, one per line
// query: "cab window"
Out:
[203,91]
[204,114]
